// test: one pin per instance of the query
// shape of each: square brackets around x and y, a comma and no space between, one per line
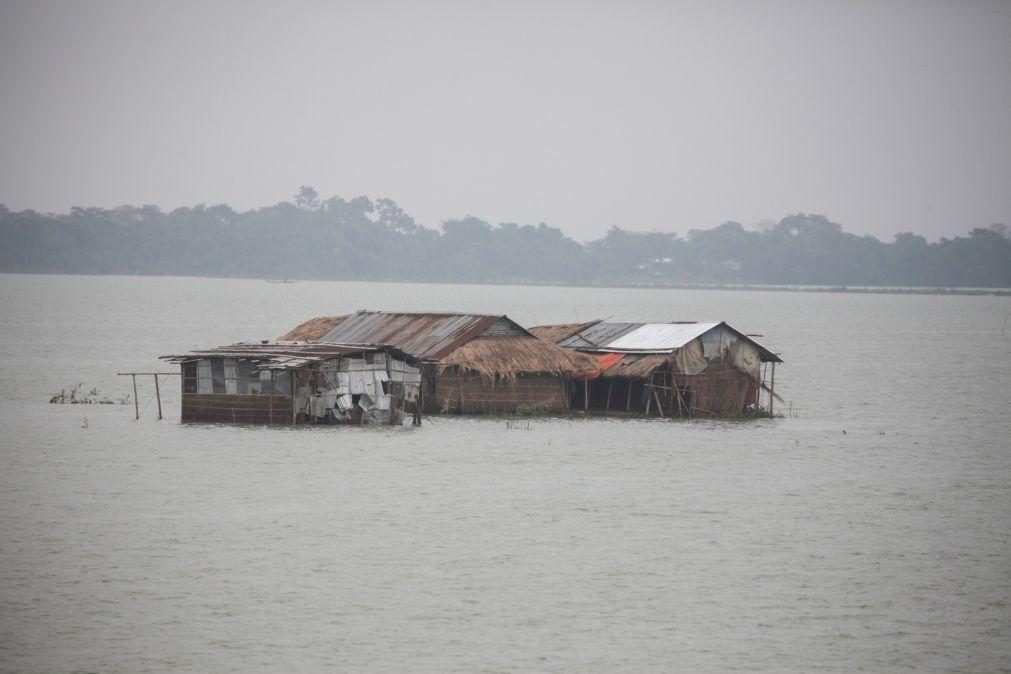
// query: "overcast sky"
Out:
[883,116]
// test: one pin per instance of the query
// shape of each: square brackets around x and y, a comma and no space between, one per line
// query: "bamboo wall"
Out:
[467,393]
[719,391]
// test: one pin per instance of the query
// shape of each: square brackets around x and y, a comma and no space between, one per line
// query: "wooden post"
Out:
[294,398]
[393,399]
[607,407]
[772,388]
[649,398]
[420,402]
[270,400]
[136,402]
[673,394]
[586,397]
[157,393]
[393,405]
[659,407]
[628,399]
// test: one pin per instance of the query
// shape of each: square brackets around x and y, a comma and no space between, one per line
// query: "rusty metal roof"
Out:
[286,355]
[598,336]
[427,336]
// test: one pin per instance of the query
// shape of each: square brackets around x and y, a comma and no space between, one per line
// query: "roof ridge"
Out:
[429,313]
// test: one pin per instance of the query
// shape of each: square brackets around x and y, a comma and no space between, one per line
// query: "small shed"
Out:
[297,382]
[471,363]
[679,369]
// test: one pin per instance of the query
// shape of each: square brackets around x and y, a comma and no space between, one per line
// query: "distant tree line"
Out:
[364,239]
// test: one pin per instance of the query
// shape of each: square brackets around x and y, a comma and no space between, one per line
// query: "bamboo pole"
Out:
[586,397]
[162,374]
[419,402]
[772,388]
[670,407]
[681,402]
[157,394]
[628,398]
[133,375]
[136,407]
[393,404]
[270,400]
[607,407]
[389,378]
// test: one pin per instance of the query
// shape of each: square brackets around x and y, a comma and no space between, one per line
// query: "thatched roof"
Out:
[312,329]
[508,357]
[556,333]
[633,366]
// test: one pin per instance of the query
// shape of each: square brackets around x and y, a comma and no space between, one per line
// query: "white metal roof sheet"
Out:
[660,336]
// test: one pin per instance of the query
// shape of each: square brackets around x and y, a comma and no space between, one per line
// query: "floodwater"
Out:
[867,529]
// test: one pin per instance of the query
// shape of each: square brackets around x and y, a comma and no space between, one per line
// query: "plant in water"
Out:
[75,396]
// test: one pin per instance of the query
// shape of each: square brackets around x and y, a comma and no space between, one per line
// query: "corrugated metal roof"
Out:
[598,336]
[660,336]
[650,337]
[284,356]
[426,336]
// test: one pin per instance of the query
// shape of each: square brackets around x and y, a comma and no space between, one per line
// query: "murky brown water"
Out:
[573,545]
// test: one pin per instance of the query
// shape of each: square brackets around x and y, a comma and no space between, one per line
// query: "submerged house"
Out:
[470,363]
[669,369]
[289,383]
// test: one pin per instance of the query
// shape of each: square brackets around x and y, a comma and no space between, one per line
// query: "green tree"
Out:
[307,198]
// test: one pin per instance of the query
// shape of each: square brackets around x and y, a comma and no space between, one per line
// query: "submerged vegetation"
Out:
[364,239]
[76,395]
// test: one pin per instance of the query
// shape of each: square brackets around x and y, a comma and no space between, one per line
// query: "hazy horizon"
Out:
[648,116]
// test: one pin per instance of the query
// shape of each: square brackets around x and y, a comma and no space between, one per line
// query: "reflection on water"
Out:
[562,544]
